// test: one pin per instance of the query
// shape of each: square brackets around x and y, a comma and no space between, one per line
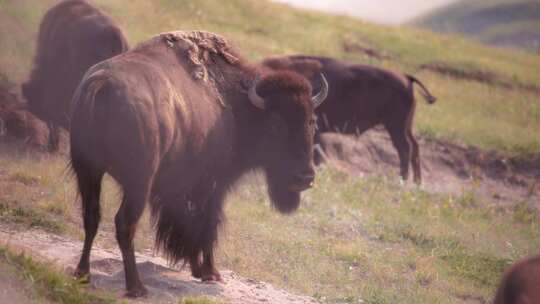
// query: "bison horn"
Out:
[255,99]
[321,96]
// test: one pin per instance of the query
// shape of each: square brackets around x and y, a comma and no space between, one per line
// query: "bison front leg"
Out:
[213,214]
[195,263]
[209,272]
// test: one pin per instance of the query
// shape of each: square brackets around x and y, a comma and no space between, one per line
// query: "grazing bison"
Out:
[177,121]
[521,283]
[363,96]
[73,36]
[18,124]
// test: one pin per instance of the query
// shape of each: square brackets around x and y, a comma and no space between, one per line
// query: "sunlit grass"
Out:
[49,283]
[476,114]
[353,238]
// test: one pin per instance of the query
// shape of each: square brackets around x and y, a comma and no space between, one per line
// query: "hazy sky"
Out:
[381,11]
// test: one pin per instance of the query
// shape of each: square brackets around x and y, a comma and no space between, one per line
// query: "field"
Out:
[354,239]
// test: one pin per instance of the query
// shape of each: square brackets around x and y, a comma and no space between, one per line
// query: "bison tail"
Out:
[88,122]
[425,92]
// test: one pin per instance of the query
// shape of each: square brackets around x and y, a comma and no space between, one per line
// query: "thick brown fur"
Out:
[361,97]
[73,36]
[521,283]
[19,125]
[172,123]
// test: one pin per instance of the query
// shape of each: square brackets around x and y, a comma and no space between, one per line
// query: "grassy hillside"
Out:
[514,23]
[369,239]
[353,239]
[489,116]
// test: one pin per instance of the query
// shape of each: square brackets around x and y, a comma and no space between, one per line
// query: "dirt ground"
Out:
[13,289]
[165,284]
[446,167]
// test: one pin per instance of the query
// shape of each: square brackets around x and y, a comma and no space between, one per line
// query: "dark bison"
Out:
[17,124]
[73,36]
[177,121]
[363,96]
[521,283]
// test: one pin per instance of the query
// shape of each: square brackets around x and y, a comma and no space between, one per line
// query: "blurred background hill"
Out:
[507,23]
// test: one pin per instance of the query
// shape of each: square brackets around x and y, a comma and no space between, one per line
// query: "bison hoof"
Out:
[138,292]
[82,275]
[212,277]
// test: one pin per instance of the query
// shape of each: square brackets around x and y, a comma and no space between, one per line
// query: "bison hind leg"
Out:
[89,183]
[415,158]
[401,142]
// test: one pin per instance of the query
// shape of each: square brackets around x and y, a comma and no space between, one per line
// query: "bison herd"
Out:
[179,118]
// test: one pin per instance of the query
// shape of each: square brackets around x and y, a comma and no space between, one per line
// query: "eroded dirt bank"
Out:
[446,167]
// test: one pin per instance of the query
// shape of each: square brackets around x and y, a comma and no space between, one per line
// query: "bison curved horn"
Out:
[321,96]
[255,99]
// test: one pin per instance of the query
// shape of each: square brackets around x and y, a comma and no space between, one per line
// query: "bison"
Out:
[176,122]
[520,284]
[17,124]
[73,36]
[363,96]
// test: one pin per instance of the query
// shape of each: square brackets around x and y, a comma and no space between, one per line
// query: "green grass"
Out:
[49,283]
[353,239]
[199,300]
[374,240]
[476,114]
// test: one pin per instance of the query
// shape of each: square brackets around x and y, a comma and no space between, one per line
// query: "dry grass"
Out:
[369,239]
[475,113]
[352,239]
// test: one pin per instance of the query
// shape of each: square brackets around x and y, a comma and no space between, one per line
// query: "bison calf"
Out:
[363,96]
[73,36]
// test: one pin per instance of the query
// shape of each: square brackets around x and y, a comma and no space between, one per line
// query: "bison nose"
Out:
[305,179]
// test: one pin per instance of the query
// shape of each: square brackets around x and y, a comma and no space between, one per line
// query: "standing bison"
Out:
[363,96]
[520,283]
[177,121]
[72,37]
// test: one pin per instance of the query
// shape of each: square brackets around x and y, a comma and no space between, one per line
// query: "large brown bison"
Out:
[363,96]
[521,283]
[73,36]
[177,121]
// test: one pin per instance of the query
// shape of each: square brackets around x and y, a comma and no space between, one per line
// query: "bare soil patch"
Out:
[446,167]
[166,284]
[487,77]
[370,52]
[12,288]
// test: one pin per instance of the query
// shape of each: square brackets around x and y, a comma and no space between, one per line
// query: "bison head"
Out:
[286,98]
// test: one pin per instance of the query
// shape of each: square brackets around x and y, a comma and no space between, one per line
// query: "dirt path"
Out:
[166,285]
[12,288]
[446,167]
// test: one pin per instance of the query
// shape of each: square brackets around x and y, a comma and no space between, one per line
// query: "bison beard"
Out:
[173,122]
